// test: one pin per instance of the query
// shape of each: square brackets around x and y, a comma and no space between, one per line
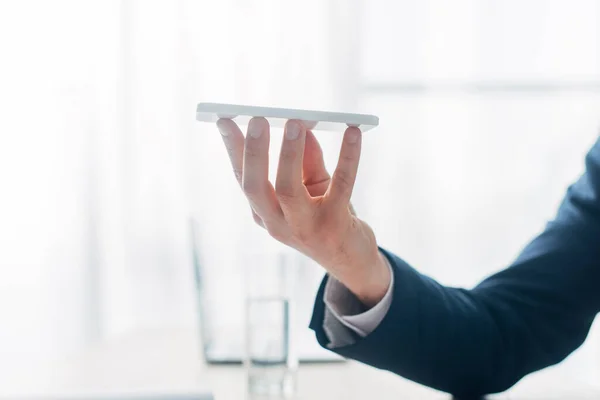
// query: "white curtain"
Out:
[486,108]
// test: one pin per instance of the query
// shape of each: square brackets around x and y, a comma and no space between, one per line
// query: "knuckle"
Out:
[343,179]
[251,188]
[285,192]
[347,157]
[251,151]
[257,219]
[288,154]
[238,174]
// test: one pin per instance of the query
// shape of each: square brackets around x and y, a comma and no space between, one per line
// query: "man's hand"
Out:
[307,209]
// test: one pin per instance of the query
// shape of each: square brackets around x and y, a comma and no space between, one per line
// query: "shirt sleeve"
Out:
[345,312]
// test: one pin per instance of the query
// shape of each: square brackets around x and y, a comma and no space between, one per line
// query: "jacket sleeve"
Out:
[524,318]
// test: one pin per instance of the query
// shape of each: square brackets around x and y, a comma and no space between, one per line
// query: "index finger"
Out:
[234,142]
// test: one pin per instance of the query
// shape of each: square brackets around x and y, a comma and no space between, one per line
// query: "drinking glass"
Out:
[270,358]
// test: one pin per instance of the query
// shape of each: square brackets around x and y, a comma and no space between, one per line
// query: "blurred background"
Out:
[486,109]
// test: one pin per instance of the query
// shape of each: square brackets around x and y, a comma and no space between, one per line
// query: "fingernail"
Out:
[292,130]
[353,135]
[222,129]
[255,128]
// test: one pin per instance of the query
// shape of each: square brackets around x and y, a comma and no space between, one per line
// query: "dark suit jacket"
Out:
[524,318]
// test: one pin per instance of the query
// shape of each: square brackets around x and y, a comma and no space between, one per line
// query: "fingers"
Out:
[255,176]
[314,174]
[301,172]
[287,212]
[342,183]
[234,142]
[288,185]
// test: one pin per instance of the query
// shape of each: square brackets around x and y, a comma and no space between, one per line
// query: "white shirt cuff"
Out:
[348,310]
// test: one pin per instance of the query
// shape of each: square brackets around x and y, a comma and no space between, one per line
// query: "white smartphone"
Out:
[314,120]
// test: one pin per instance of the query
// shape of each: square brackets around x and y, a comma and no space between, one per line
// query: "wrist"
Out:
[371,285]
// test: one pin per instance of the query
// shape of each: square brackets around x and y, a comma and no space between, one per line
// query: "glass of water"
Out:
[270,359]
